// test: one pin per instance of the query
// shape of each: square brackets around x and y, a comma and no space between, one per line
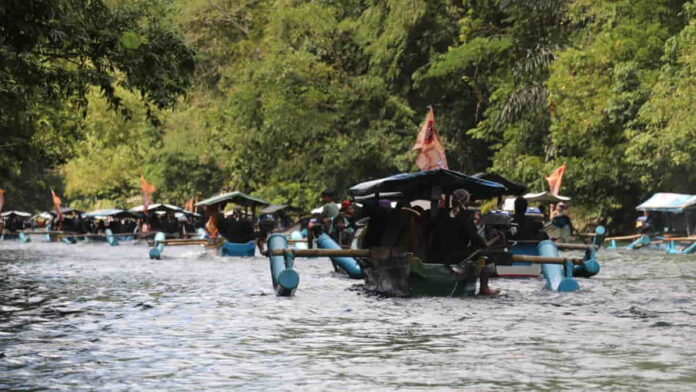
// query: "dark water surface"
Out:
[95,317]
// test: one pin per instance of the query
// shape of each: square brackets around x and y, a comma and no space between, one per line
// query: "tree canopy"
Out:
[282,98]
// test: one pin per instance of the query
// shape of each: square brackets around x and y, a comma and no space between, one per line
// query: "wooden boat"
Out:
[394,271]
[16,220]
[217,203]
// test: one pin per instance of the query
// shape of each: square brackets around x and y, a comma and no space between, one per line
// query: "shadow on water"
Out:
[92,317]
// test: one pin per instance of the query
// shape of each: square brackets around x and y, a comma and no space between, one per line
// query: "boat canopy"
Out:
[42,215]
[545,197]
[420,185]
[114,212]
[65,210]
[238,198]
[157,207]
[668,202]
[272,209]
[541,197]
[513,188]
[17,213]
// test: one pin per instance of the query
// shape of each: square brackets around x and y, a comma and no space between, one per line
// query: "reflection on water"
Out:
[94,317]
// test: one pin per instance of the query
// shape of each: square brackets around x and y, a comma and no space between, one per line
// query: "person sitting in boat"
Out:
[12,224]
[561,222]
[266,224]
[457,238]
[239,229]
[526,229]
[169,224]
[644,223]
[341,230]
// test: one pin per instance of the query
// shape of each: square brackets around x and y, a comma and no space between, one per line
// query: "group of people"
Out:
[13,224]
[336,220]
[450,234]
[236,227]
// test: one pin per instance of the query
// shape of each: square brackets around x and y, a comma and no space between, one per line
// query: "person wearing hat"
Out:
[457,237]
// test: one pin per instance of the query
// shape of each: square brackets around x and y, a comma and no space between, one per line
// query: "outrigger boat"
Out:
[13,217]
[108,236]
[49,235]
[218,245]
[390,270]
[671,227]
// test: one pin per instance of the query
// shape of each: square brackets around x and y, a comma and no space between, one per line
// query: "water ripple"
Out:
[92,317]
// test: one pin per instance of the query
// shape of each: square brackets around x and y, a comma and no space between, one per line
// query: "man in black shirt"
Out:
[527,229]
[459,238]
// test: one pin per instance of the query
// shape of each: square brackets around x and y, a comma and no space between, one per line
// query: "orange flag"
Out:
[147,190]
[2,199]
[211,225]
[431,154]
[555,179]
[56,205]
[189,206]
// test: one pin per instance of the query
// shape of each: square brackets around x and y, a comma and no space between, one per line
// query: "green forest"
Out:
[283,98]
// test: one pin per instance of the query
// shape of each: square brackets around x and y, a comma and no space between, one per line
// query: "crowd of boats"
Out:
[404,235]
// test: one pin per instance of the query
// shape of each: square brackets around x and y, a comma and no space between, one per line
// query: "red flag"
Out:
[2,199]
[431,154]
[147,190]
[555,179]
[56,205]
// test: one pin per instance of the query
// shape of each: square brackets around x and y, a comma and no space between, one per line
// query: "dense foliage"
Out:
[291,96]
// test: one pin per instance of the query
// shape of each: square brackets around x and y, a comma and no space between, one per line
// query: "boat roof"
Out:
[156,207]
[65,210]
[15,212]
[545,197]
[238,198]
[108,212]
[419,185]
[513,188]
[668,202]
[272,209]
[541,197]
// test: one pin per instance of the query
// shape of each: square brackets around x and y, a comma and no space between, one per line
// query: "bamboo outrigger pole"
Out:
[366,253]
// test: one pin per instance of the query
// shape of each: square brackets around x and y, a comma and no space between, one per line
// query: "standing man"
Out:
[329,211]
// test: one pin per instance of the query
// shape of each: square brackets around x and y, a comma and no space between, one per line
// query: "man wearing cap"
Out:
[458,237]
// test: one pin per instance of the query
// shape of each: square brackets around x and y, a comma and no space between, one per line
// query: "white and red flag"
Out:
[431,154]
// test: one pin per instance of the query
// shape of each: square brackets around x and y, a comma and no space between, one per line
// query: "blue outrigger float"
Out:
[393,271]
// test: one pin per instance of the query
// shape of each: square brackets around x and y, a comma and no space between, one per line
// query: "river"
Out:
[90,317]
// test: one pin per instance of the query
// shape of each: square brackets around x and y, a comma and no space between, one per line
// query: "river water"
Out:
[94,317]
